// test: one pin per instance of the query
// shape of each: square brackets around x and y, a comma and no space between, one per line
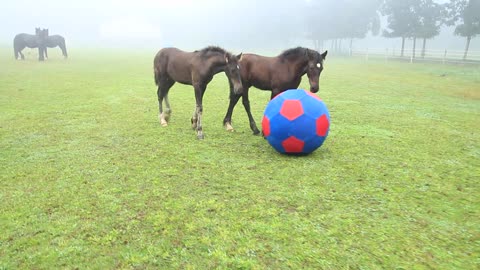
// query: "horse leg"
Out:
[164,85]
[161,119]
[168,110]
[275,92]
[227,121]
[199,91]
[246,105]
[194,118]
[40,54]
[18,51]
[63,47]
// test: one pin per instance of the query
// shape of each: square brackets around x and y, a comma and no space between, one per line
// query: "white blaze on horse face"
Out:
[318,65]
[238,67]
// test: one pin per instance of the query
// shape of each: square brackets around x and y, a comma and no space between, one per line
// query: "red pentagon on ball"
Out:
[266,126]
[291,109]
[322,125]
[293,145]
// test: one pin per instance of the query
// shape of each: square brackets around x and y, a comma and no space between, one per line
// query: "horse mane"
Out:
[299,52]
[212,49]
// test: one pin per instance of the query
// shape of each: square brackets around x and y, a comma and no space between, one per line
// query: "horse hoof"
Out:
[256,132]
[229,127]
[200,136]
[164,124]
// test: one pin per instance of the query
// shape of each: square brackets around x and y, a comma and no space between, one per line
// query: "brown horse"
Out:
[197,69]
[275,74]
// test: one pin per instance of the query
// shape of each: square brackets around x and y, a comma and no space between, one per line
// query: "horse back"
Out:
[174,64]
[55,40]
[25,40]
[257,70]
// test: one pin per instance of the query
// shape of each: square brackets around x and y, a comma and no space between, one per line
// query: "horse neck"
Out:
[299,65]
[217,63]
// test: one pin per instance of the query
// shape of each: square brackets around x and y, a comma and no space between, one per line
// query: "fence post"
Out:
[366,55]
[386,55]
[444,56]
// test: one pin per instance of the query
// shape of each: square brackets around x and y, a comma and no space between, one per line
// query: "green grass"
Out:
[89,179]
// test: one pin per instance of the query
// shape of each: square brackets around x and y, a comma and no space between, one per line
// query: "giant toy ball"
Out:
[296,122]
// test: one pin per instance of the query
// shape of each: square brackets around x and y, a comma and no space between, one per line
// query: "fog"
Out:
[188,24]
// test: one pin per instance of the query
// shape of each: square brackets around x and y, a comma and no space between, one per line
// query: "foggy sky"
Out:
[188,24]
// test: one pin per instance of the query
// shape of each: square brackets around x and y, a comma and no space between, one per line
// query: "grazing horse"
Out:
[193,68]
[31,41]
[276,74]
[54,41]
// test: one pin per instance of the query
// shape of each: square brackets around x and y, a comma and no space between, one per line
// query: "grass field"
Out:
[90,180]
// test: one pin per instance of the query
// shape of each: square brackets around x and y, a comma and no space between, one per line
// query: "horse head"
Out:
[232,70]
[314,68]
[42,36]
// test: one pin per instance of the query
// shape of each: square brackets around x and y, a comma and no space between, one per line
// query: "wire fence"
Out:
[442,56]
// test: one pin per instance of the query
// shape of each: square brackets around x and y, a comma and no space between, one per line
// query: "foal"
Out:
[275,74]
[197,69]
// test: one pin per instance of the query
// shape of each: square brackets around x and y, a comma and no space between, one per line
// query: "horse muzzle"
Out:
[314,89]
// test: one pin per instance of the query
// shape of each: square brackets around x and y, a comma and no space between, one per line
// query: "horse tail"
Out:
[15,51]
[156,75]
[159,66]
[156,70]
[64,48]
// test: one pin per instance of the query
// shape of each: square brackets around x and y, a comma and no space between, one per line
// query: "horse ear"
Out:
[324,54]
[239,57]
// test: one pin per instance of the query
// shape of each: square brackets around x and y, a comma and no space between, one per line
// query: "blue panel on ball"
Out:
[273,107]
[313,107]
[277,144]
[293,94]
[313,144]
[279,127]
[303,127]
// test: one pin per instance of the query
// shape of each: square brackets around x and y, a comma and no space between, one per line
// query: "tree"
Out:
[360,18]
[431,16]
[341,19]
[467,13]
[403,19]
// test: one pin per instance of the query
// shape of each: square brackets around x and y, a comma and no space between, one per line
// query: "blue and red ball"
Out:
[296,122]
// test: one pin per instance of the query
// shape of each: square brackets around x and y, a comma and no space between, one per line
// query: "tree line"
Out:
[406,19]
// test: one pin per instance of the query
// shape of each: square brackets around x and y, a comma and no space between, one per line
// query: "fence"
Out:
[443,56]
